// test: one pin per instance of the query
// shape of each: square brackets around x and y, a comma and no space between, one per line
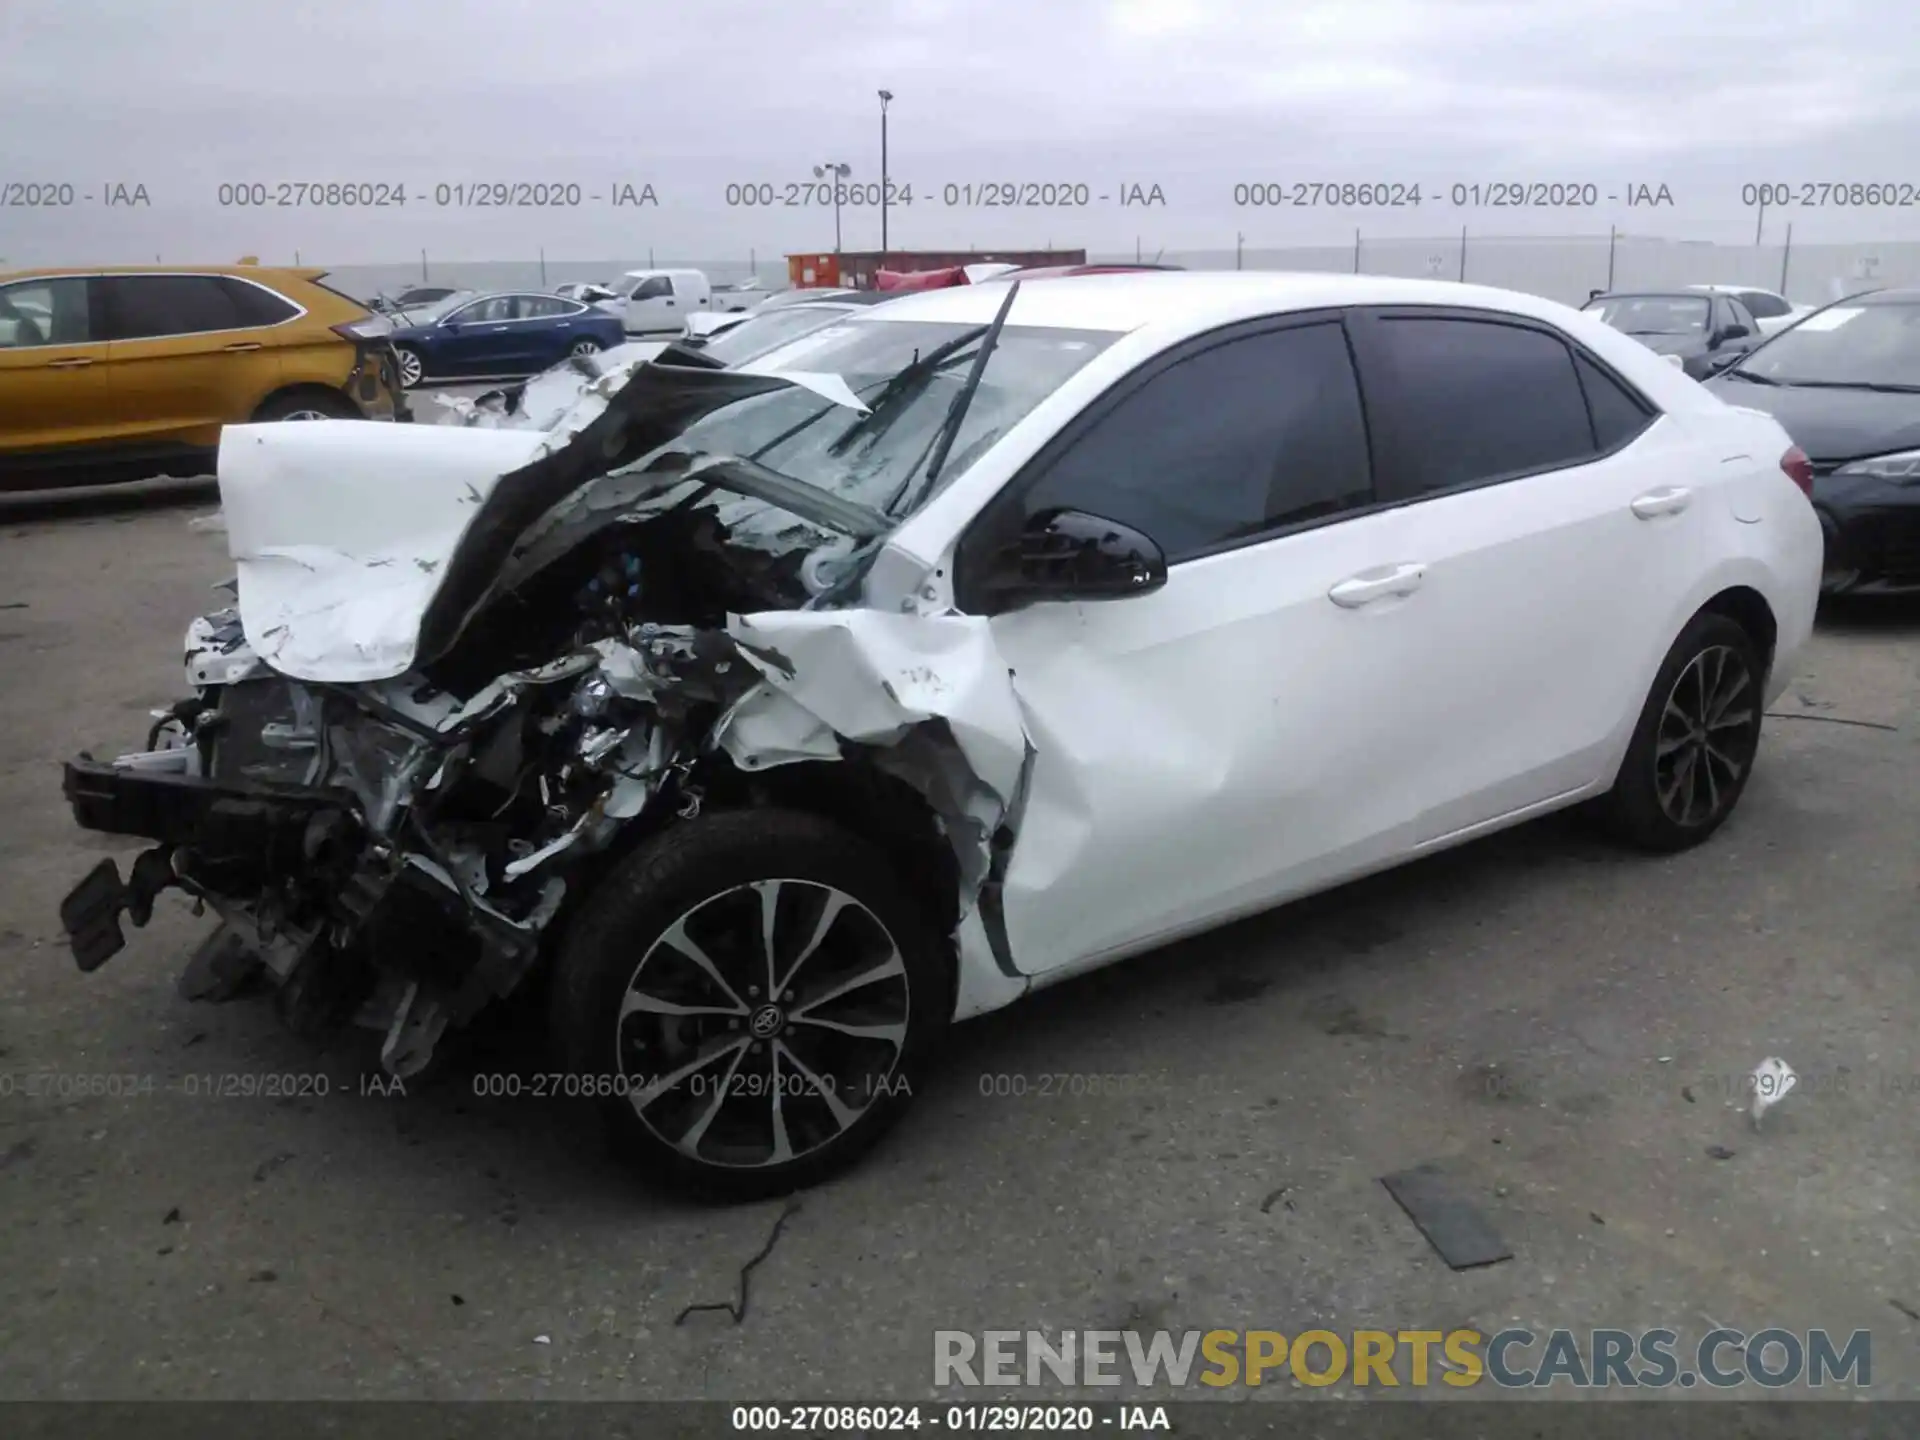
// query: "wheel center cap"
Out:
[767,1022]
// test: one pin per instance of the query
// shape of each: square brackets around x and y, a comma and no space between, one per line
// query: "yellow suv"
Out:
[115,374]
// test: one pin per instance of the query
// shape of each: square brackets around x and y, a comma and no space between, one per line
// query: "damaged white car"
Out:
[774,718]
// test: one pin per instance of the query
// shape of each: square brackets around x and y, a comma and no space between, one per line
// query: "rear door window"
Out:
[146,307]
[1471,401]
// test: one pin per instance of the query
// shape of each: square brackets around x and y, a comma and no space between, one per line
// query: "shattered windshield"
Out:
[908,372]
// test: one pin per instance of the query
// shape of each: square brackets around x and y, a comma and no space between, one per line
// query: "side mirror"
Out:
[1071,555]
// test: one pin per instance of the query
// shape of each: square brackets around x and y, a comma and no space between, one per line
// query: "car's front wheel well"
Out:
[871,803]
[1748,609]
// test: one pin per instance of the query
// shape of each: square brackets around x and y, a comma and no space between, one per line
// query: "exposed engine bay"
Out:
[426,724]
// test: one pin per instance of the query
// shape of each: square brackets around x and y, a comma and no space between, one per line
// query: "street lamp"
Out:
[885,96]
[839,172]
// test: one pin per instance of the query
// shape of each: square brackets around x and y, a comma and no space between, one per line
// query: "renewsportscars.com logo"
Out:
[1511,1359]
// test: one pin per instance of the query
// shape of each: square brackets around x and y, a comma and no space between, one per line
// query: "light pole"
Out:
[885,96]
[839,172]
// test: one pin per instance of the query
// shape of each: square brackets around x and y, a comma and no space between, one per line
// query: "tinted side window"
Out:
[1242,438]
[148,306]
[1617,415]
[1742,316]
[1765,306]
[543,307]
[257,306]
[482,312]
[45,312]
[654,289]
[1476,400]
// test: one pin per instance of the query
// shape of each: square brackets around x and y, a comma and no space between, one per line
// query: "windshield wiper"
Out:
[921,367]
[1739,374]
[1883,387]
[957,411]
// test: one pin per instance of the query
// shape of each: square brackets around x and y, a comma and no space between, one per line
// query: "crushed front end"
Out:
[388,853]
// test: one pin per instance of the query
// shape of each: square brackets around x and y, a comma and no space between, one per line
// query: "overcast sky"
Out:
[1193,96]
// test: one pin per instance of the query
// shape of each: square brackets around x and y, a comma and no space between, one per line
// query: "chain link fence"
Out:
[1565,268]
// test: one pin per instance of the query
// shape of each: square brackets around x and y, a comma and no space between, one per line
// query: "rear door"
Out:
[1559,521]
[52,366]
[182,358]
[1246,732]
[549,326]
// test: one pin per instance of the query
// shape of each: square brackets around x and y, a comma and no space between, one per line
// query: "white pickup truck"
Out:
[658,302]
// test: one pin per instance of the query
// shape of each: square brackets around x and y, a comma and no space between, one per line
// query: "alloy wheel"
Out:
[412,371]
[1708,733]
[762,1024]
[306,415]
[585,347]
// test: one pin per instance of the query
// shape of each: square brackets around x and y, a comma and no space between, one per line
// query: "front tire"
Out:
[1694,746]
[752,997]
[413,369]
[584,347]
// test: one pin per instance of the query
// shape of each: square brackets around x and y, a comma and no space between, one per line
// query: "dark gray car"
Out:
[1705,332]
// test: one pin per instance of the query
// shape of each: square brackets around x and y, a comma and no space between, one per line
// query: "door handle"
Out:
[239,345]
[75,363]
[1668,500]
[1371,585]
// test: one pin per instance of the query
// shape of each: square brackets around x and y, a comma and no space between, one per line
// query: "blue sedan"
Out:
[498,337]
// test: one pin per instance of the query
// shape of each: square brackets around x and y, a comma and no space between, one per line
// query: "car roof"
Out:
[244,272]
[1194,300]
[1906,295]
[1692,292]
[1735,289]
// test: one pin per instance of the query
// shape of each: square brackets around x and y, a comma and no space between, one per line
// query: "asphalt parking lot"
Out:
[1565,1028]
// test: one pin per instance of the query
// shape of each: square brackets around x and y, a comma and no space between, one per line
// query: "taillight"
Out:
[1799,469]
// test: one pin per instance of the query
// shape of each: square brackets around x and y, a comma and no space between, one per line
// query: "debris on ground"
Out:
[1721,1152]
[1452,1224]
[1266,1205]
[214,524]
[1772,1079]
[738,1309]
[172,1217]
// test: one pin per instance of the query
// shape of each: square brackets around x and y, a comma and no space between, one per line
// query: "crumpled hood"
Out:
[363,550]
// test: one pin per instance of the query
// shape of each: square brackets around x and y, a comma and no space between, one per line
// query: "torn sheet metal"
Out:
[360,547]
[341,532]
[932,689]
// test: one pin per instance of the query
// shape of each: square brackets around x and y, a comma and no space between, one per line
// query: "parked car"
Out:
[1699,333]
[118,374]
[548,398]
[1772,310]
[498,337]
[656,302]
[411,298]
[1045,624]
[1845,382]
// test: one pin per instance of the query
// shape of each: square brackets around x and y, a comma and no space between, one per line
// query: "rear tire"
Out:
[584,347]
[1694,746]
[413,369]
[810,1055]
[307,405]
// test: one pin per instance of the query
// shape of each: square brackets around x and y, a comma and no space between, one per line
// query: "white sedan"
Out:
[1771,311]
[980,639]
